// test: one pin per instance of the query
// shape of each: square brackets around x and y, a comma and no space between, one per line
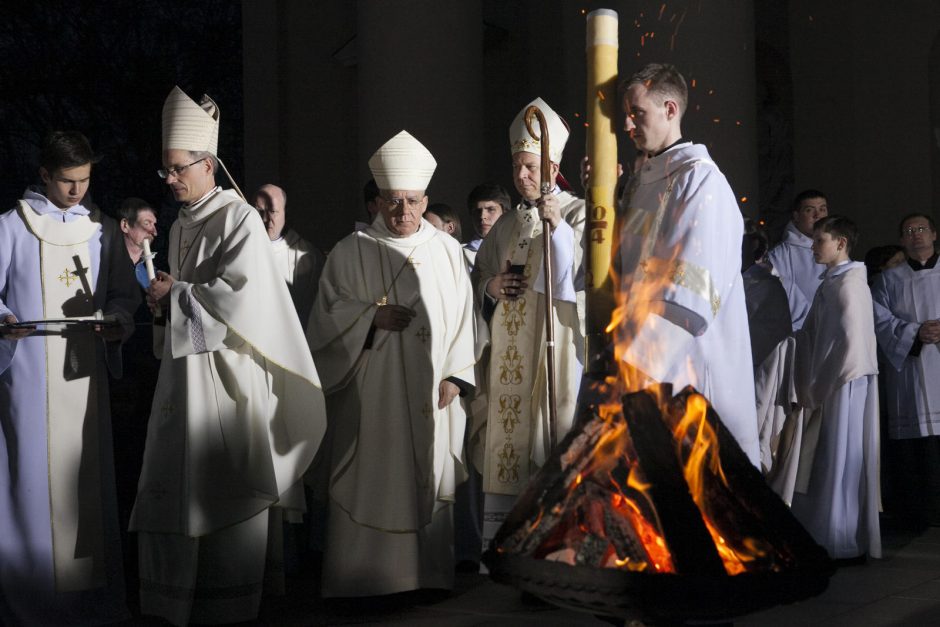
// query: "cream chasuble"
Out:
[72,419]
[238,414]
[396,457]
[516,439]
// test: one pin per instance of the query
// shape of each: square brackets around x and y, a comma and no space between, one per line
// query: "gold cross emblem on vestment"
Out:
[427,411]
[68,277]
[411,262]
[167,409]
[423,334]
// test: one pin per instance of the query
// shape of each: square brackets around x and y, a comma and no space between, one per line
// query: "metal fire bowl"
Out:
[631,595]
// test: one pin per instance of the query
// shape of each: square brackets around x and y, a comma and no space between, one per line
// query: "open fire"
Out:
[652,498]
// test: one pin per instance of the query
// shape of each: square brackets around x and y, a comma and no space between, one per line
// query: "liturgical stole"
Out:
[71,403]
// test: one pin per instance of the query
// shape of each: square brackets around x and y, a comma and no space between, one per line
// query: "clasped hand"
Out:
[929,332]
[393,317]
[506,285]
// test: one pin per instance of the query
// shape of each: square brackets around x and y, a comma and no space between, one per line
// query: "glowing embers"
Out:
[601,518]
[649,507]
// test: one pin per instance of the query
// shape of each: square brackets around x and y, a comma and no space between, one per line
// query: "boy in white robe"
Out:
[836,494]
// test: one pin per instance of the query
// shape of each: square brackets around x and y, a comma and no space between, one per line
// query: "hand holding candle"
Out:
[151,274]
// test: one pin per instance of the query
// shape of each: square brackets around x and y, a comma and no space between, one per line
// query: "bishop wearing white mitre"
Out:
[392,333]
[238,413]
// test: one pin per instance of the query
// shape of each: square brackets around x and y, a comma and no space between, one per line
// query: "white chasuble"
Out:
[390,390]
[680,267]
[237,414]
[396,457]
[517,438]
[76,512]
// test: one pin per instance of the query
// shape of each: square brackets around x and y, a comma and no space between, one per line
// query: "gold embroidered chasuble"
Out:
[516,437]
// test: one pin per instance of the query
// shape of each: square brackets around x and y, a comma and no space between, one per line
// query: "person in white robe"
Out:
[907,323]
[486,203]
[509,282]
[792,258]
[60,547]
[392,331]
[768,312]
[238,413]
[298,261]
[826,455]
[684,319]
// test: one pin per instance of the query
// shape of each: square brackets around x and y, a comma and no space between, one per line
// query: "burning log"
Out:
[689,542]
[751,520]
[651,510]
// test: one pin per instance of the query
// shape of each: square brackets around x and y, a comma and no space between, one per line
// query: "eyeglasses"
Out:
[916,229]
[398,203]
[165,174]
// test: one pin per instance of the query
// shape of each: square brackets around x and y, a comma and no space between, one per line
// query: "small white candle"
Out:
[148,259]
[151,274]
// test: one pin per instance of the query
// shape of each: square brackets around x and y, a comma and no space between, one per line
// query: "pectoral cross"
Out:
[411,262]
[184,250]
[423,334]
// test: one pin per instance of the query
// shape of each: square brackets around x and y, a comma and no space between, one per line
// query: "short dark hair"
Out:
[911,216]
[877,257]
[448,215]
[840,226]
[756,238]
[62,150]
[806,194]
[662,80]
[131,207]
[488,191]
[370,191]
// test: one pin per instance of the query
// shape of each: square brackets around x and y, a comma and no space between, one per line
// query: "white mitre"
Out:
[190,126]
[522,141]
[402,163]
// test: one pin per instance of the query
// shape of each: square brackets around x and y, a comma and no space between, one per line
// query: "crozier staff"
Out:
[546,185]
[510,282]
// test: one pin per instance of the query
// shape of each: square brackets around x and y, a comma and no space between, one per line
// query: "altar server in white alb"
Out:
[836,494]
[907,323]
[510,288]
[392,333]
[238,413]
[792,259]
[60,548]
[685,319]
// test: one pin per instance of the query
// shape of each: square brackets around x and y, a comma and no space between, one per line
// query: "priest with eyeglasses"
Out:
[238,413]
